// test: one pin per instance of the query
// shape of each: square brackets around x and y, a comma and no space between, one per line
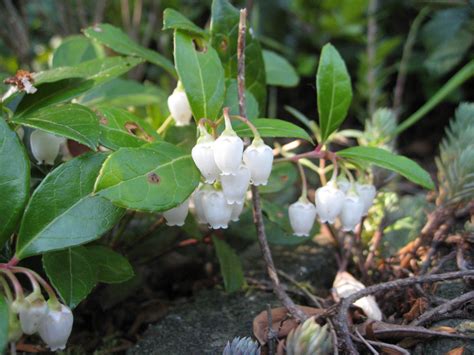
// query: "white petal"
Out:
[235,186]
[236,211]
[199,207]
[218,212]
[228,152]
[367,192]
[352,210]
[56,327]
[259,160]
[329,201]
[176,216]
[44,146]
[203,156]
[302,216]
[31,316]
[179,108]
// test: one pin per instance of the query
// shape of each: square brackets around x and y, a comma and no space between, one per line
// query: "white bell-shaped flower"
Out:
[235,186]
[228,150]
[367,192]
[198,205]
[343,184]
[45,146]
[352,210]
[56,326]
[179,107]
[302,215]
[218,212]
[345,285]
[236,211]
[203,156]
[32,313]
[329,201]
[259,158]
[176,216]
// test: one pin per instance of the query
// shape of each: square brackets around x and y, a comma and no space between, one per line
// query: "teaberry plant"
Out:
[60,210]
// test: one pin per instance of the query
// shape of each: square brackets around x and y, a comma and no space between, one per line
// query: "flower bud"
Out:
[352,210]
[329,201]
[179,107]
[45,146]
[216,209]
[228,151]
[302,214]
[203,156]
[367,193]
[176,216]
[32,313]
[235,186]
[236,211]
[56,327]
[259,159]
[343,184]
[199,207]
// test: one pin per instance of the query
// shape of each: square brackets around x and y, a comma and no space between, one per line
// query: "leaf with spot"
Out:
[111,266]
[224,34]
[73,121]
[201,73]
[120,128]
[71,273]
[174,20]
[231,267]
[14,180]
[114,38]
[63,211]
[333,85]
[154,177]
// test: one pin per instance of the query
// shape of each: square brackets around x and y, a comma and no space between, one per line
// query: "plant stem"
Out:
[252,127]
[34,283]
[460,77]
[304,183]
[164,125]
[257,208]
[46,286]
[6,288]
[371,58]
[16,284]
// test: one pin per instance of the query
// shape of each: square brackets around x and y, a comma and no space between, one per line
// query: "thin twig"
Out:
[340,319]
[257,208]
[271,335]
[366,343]
[402,71]
[371,57]
[386,345]
[447,307]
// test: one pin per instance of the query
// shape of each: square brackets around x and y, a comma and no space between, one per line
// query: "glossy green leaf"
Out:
[71,273]
[334,91]
[114,38]
[200,70]
[385,159]
[120,128]
[231,267]
[74,50]
[111,266]
[224,34]
[279,71]
[4,320]
[123,93]
[174,20]
[73,121]
[14,180]
[272,127]
[155,177]
[232,100]
[62,84]
[63,212]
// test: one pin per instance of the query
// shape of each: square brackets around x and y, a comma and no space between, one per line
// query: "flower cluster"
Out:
[227,170]
[347,201]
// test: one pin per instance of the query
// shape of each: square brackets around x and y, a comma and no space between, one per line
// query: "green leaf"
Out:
[116,39]
[62,84]
[73,121]
[111,266]
[154,177]
[200,70]
[224,34]
[333,86]
[232,100]
[283,176]
[174,20]
[123,93]
[231,267]
[272,127]
[14,180]
[71,273]
[4,321]
[74,50]
[385,159]
[63,212]
[120,128]
[279,71]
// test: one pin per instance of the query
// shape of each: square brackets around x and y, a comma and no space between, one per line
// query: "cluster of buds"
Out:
[51,319]
[347,201]
[179,107]
[227,170]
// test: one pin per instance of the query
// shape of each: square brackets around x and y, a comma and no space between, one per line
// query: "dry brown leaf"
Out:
[444,329]
[419,307]
[282,323]
[456,351]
